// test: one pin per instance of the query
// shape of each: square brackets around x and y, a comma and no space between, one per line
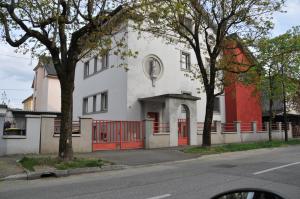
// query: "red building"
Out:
[242,100]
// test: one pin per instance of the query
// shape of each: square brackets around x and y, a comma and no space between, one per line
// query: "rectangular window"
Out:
[94,103]
[217,105]
[188,23]
[85,108]
[95,64]
[105,61]
[104,101]
[185,61]
[86,68]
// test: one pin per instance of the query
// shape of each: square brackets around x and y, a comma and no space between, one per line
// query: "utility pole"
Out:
[284,105]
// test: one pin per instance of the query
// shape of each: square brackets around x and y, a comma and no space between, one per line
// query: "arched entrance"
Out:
[183,125]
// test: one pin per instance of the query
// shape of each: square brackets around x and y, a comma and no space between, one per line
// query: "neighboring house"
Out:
[28,103]
[46,87]
[242,101]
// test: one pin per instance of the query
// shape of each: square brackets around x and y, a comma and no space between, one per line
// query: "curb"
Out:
[62,173]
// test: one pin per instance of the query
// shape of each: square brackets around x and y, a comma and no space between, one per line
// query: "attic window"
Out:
[188,23]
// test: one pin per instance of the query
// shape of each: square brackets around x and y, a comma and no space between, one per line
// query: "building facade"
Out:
[158,70]
[46,87]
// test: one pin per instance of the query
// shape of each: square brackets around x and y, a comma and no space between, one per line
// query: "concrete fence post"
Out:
[290,134]
[254,127]
[148,131]
[238,129]
[279,125]
[219,127]
[267,126]
[86,131]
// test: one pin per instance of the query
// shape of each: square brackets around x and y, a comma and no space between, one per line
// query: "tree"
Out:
[279,60]
[204,26]
[67,30]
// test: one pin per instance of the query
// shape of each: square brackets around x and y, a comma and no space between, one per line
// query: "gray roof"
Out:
[50,69]
[47,63]
[164,96]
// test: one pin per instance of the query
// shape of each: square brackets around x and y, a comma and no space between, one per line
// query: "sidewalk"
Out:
[141,156]
[9,165]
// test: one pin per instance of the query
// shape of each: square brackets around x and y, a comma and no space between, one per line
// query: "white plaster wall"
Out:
[173,79]
[41,91]
[29,143]
[54,94]
[113,80]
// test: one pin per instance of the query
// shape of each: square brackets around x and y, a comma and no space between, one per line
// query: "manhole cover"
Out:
[225,165]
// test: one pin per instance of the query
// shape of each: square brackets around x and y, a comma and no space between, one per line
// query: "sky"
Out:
[16,70]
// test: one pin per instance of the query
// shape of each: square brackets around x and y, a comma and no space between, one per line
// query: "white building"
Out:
[155,86]
[106,92]
[46,87]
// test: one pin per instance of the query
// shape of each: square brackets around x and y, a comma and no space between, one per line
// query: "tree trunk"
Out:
[65,141]
[270,118]
[206,137]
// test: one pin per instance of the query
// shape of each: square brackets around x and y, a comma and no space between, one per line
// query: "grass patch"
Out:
[30,162]
[239,147]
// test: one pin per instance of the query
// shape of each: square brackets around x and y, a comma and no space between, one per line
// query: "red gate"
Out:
[111,135]
[182,132]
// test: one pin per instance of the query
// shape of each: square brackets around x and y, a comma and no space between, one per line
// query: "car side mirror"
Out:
[247,194]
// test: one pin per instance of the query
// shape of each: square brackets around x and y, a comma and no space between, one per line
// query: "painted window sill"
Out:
[164,133]
[73,135]
[96,112]
[14,136]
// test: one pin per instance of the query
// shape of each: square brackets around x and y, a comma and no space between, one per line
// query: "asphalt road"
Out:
[272,169]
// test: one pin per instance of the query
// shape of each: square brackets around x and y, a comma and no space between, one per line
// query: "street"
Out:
[272,169]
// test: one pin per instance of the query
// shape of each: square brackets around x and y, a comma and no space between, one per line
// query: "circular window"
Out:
[153,67]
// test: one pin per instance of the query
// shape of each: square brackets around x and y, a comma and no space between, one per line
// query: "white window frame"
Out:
[86,69]
[184,63]
[85,105]
[102,107]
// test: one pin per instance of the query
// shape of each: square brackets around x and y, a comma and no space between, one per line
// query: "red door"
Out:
[182,132]
[155,116]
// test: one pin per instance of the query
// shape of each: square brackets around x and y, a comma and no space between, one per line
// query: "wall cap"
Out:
[32,116]
[14,136]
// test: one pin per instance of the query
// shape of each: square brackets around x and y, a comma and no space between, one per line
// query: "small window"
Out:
[95,64]
[104,101]
[85,106]
[94,103]
[105,61]
[188,23]
[86,69]
[217,105]
[185,61]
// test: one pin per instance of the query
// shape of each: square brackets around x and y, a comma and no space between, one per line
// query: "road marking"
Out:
[161,196]
[275,168]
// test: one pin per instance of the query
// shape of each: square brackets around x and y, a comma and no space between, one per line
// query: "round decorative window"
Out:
[153,67]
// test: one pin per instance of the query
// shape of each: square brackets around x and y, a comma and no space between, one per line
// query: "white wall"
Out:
[47,93]
[54,94]
[23,144]
[172,81]
[124,88]
[113,80]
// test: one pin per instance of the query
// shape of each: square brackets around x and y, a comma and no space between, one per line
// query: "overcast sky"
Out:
[16,70]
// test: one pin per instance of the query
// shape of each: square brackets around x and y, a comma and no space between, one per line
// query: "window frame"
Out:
[218,110]
[183,56]
[105,61]
[86,69]
[103,109]
[85,104]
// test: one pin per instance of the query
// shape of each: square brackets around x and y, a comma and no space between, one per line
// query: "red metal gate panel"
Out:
[182,132]
[111,135]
